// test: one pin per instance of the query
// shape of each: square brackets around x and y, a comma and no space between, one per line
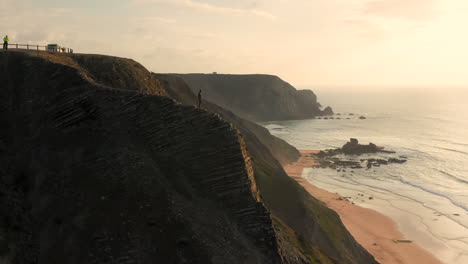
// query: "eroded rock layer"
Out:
[94,174]
[306,230]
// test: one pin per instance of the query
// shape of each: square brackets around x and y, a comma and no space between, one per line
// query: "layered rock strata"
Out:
[95,174]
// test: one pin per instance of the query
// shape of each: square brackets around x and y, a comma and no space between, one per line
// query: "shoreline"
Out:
[377,233]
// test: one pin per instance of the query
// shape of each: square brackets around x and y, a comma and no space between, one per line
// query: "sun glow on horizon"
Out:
[384,43]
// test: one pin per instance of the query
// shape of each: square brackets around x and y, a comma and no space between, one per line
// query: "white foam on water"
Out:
[427,196]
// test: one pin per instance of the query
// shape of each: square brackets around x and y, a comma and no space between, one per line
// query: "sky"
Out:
[343,43]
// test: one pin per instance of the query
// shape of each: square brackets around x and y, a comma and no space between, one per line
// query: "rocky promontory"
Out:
[257,97]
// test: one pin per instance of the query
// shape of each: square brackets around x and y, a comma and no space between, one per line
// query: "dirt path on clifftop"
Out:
[374,231]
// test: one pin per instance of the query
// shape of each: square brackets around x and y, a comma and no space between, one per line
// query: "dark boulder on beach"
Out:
[354,148]
[394,160]
[330,158]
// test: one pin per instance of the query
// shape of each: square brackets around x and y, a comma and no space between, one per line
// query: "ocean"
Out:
[428,195]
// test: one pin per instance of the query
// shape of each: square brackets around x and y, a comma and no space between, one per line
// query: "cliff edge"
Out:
[99,164]
[304,227]
[93,173]
[256,97]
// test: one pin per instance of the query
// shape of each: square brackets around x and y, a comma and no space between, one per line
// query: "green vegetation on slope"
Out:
[306,230]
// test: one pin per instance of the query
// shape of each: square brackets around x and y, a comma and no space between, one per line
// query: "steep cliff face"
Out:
[256,135]
[255,97]
[306,230]
[92,173]
[96,167]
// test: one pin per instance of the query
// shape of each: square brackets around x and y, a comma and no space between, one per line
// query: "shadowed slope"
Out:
[256,97]
[93,174]
[305,228]
[257,135]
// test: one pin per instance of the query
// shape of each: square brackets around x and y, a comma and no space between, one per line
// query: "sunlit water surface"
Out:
[428,195]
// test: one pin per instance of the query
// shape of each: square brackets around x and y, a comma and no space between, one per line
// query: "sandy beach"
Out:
[374,231]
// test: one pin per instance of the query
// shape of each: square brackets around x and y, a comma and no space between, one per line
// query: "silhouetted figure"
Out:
[5,42]
[199,98]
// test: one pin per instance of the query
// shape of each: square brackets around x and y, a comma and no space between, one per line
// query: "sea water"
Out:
[428,195]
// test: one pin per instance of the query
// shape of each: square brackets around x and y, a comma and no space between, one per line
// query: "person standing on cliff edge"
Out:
[5,42]
[199,98]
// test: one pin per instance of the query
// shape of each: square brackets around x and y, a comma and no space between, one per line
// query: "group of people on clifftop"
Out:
[5,42]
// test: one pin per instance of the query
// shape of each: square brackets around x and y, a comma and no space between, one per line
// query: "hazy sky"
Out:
[306,42]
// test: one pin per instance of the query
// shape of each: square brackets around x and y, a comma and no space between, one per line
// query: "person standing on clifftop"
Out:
[5,42]
[199,98]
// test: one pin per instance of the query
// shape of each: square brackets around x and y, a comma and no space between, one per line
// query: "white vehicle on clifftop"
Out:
[54,48]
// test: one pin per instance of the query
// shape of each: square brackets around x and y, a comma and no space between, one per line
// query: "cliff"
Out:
[96,168]
[256,97]
[304,226]
[99,164]
[255,135]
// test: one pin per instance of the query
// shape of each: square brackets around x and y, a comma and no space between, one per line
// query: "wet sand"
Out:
[374,231]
